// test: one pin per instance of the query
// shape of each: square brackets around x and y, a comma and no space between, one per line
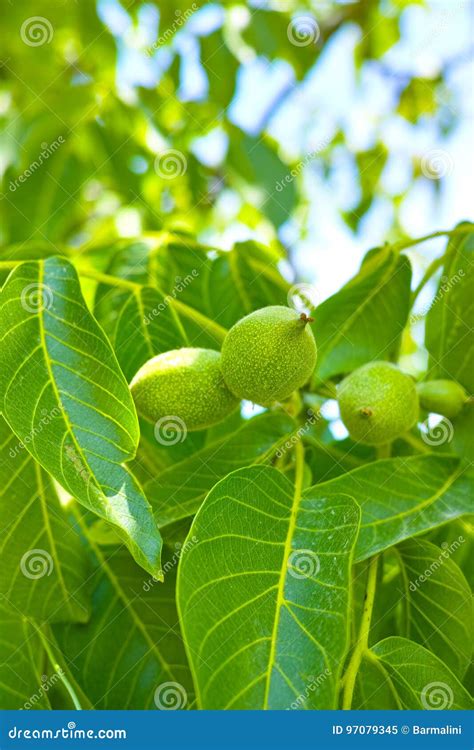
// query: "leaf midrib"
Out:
[280,599]
[42,335]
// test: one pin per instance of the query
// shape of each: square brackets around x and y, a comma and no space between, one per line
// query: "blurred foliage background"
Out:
[322,128]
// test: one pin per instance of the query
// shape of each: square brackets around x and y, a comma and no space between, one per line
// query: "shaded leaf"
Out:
[132,645]
[439,603]
[420,679]
[178,491]
[21,658]
[243,280]
[44,565]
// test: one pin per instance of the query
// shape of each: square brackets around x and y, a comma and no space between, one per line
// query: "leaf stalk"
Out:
[361,646]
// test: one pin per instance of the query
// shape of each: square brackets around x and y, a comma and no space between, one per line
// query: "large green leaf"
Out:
[44,565]
[438,603]
[402,497]
[178,491]
[131,648]
[264,593]
[21,658]
[364,320]
[450,321]
[419,679]
[58,368]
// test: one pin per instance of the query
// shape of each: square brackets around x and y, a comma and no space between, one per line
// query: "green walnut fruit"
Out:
[444,397]
[378,402]
[186,384]
[268,354]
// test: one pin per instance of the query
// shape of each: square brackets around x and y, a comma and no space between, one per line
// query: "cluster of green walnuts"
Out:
[266,357]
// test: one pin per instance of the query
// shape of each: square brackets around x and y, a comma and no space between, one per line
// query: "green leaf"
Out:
[403,497]
[418,98]
[370,165]
[419,678]
[374,689]
[147,325]
[268,33]
[264,593]
[256,161]
[58,362]
[220,66]
[439,603]
[330,460]
[21,659]
[243,280]
[153,457]
[43,562]
[165,284]
[131,647]
[178,491]
[364,320]
[450,321]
